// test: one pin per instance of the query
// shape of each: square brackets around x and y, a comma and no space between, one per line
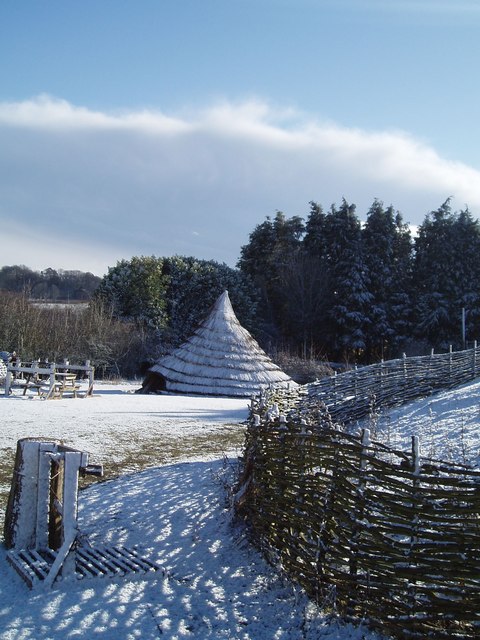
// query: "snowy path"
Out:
[214,584]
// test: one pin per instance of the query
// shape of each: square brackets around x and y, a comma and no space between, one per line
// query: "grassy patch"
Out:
[135,452]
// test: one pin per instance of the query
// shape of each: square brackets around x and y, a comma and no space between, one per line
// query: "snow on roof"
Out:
[220,358]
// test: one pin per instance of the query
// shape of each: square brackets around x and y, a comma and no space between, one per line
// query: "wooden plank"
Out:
[92,562]
[144,563]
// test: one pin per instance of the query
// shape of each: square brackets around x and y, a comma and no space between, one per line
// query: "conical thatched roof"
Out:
[221,358]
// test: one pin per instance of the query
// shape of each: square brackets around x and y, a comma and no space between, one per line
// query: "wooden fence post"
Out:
[358,514]
[412,554]
[20,524]
[8,381]
[335,389]
[51,388]
[382,373]
[450,364]
[64,560]
[91,376]
[405,375]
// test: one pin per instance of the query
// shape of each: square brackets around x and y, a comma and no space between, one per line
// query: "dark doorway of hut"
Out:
[153,383]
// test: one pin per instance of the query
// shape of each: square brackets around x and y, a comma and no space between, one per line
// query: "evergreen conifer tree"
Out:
[387,251]
[268,257]
[136,290]
[316,281]
[349,296]
[446,274]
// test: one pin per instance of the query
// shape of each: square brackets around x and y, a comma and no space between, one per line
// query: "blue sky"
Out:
[175,127]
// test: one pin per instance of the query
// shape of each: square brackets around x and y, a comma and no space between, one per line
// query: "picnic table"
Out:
[33,380]
[65,382]
[50,380]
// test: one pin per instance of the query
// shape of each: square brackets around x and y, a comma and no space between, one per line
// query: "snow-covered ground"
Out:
[115,417]
[447,423]
[122,430]
[213,584]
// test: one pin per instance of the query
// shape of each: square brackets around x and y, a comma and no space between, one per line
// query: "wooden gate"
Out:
[41,527]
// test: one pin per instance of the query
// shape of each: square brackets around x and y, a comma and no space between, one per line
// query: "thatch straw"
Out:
[221,358]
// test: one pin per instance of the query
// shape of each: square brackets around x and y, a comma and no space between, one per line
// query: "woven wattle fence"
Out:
[378,534]
[381,535]
[351,395]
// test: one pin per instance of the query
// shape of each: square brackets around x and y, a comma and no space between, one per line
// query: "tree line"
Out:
[50,284]
[334,287]
[325,287]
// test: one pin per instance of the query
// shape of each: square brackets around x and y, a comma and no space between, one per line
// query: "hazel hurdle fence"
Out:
[383,535]
[352,395]
[377,534]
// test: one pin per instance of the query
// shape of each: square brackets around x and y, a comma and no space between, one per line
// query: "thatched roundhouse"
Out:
[220,359]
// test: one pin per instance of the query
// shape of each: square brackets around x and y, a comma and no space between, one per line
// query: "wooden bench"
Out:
[65,383]
[35,382]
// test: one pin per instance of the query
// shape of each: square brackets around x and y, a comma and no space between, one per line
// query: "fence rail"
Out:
[351,395]
[386,535]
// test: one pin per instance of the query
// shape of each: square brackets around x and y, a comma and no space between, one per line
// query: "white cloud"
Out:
[47,112]
[112,185]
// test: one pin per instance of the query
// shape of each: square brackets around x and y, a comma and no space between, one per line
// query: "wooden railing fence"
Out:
[383,535]
[40,375]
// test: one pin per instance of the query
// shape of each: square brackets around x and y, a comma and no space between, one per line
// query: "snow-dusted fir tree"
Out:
[267,259]
[388,256]
[349,294]
[401,295]
[315,239]
[446,276]
[467,233]
[316,301]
